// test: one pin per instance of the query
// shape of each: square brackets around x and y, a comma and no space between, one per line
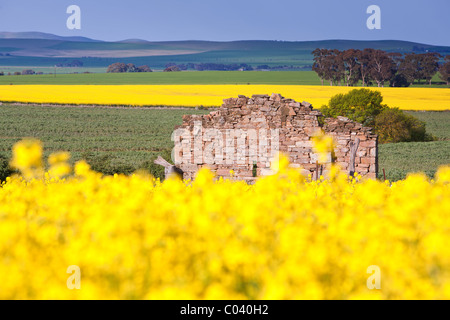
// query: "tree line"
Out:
[371,66]
[119,67]
[211,66]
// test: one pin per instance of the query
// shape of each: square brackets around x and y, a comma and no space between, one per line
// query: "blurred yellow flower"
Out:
[27,154]
[323,145]
[285,237]
[58,157]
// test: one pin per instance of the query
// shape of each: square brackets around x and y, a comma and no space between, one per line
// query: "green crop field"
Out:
[185,77]
[400,158]
[188,77]
[123,140]
[437,122]
[129,137]
[50,70]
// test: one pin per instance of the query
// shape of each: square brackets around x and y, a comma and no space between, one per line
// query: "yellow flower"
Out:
[279,163]
[285,237]
[27,154]
[82,168]
[323,145]
[58,157]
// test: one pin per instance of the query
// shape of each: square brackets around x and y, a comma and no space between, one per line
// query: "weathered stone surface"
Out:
[292,112]
[261,126]
[276,97]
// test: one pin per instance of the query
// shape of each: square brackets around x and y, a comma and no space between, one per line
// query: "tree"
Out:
[131,67]
[444,70]
[399,80]
[393,125]
[429,64]
[28,72]
[410,67]
[420,66]
[364,65]
[144,68]
[122,67]
[360,105]
[117,68]
[349,59]
[333,67]
[319,62]
[381,67]
[171,69]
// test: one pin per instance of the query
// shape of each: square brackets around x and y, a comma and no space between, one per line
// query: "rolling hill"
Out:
[42,49]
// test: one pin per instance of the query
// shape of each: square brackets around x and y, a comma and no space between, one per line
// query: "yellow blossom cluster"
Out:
[323,145]
[285,237]
[211,95]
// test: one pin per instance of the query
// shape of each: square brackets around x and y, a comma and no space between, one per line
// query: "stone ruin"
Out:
[244,135]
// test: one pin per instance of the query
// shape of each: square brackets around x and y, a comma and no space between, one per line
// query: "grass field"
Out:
[48,71]
[169,78]
[400,158]
[131,137]
[209,95]
[437,123]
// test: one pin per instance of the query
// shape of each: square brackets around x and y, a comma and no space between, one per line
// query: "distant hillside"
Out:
[41,35]
[41,49]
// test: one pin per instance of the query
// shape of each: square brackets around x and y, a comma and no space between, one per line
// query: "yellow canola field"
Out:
[211,95]
[283,238]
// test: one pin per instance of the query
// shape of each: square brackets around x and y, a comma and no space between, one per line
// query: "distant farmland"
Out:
[50,52]
[209,95]
[124,140]
[175,78]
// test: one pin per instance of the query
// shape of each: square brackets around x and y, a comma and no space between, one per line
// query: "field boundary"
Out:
[118,106]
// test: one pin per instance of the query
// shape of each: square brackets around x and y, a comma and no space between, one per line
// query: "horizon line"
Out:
[202,40]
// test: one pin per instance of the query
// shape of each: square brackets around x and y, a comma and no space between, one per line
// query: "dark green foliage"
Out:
[393,125]
[120,67]
[156,170]
[444,70]
[255,168]
[365,106]
[360,105]
[104,165]
[399,81]
[5,169]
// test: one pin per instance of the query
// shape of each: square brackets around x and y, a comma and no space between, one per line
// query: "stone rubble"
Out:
[295,123]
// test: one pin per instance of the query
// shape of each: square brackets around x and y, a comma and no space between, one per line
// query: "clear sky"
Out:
[425,21]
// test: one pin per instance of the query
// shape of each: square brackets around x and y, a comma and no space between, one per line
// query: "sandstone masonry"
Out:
[245,133]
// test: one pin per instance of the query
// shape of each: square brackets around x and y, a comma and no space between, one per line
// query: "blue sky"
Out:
[292,20]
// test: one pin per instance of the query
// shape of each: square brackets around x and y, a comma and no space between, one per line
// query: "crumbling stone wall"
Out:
[245,133]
